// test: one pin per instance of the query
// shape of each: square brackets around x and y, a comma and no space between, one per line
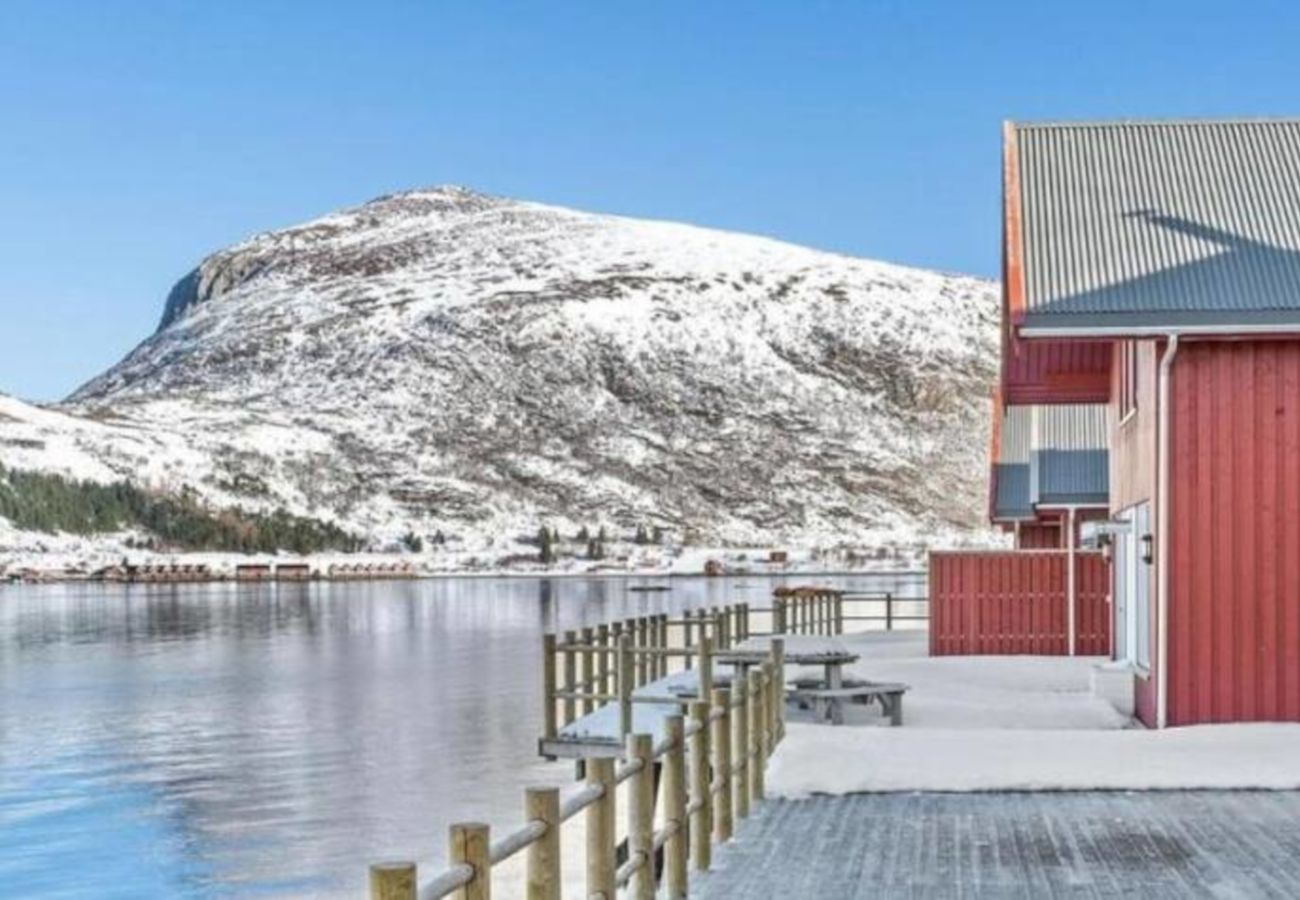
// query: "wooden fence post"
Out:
[687,635]
[889,610]
[602,659]
[548,686]
[615,632]
[701,792]
[705,653]
[543,804]
[393,881]
[722,770]
[469,845]
[641,817]
[778,691]
[839,613]
[778,615]
[570,677]
[661,640]
[757,738]
[676,845]
[768,739]
[589,685]
[601,823]
[626,674]
[740,746]
[641,642]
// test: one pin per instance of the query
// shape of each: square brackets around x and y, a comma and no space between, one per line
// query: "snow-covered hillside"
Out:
[445,360]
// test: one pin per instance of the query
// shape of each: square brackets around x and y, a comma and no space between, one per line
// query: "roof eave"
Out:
[1118,331]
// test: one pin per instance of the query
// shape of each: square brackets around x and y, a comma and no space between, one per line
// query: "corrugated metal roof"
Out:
[1051,455]
[1011,468]
[1080,426]
[1149,225]
[1068,462]
[1017,432]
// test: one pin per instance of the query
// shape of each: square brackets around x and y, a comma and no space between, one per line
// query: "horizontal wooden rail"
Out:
[713,754]
[697,808]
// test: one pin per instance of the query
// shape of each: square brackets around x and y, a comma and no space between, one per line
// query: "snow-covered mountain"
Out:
[445,360]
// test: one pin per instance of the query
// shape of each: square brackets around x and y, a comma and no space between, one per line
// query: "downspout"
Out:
[1072,591]
[1162,535]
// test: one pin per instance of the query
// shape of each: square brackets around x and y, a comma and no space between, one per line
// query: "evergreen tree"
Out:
[546,546]
[584,536]
[42,502]
[413,542]
[642,536]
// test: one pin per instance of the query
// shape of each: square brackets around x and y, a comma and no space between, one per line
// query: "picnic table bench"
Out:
[821,697]
[801,650]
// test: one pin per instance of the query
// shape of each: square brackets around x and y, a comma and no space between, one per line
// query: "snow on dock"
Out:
[1015,723]
[597,733]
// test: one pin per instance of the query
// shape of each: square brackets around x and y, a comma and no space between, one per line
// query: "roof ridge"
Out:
[1154,123]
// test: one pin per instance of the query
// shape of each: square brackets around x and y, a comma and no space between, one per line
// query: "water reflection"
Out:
[185,740]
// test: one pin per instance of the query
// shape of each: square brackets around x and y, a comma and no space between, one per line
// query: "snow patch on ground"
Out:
[1015,723]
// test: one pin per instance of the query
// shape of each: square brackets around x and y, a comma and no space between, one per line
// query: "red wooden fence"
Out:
[1012,602]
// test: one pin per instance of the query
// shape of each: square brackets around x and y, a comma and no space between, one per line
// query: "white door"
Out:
[1132,600]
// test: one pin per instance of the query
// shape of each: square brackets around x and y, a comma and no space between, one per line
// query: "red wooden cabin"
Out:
[1166,257]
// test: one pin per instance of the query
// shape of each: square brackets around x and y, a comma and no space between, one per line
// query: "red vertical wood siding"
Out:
[1014,602]
[1038,536]
[1234,554]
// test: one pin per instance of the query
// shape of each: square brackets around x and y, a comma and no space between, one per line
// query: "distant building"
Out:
[252,572]
[292,572]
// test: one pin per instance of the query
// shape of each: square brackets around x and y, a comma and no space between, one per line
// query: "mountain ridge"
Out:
[444,359]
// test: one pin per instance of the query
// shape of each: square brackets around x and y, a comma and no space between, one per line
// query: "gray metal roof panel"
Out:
[1153,218]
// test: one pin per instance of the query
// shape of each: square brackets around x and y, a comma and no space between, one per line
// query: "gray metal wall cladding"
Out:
[1017,431]
[1051,455]
[1161,222]
[1012,498]
[1067,477]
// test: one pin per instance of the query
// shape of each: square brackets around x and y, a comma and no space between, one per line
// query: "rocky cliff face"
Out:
[445,360]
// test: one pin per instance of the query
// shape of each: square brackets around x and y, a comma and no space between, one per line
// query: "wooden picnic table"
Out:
[801,650]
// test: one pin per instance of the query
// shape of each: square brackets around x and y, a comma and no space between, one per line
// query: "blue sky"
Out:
[137,137]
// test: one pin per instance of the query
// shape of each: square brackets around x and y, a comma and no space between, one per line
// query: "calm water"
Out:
[218,740]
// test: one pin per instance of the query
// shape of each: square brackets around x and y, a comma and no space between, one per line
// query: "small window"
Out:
[1128,372]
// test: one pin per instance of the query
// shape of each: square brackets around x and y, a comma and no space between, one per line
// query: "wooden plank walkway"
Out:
[1015,845]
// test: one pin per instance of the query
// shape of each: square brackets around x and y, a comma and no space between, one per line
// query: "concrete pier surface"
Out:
[1238,844]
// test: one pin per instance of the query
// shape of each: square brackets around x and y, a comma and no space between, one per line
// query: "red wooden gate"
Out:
[1014,602]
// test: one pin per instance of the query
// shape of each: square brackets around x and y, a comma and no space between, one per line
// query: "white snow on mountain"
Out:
[446,360]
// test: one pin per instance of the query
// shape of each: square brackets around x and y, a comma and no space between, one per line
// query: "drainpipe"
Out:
[1072,592]
[1162,536]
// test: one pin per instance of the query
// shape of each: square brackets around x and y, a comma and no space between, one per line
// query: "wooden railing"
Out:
[713,763]
[822,611]
[583,668]
[712,758]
